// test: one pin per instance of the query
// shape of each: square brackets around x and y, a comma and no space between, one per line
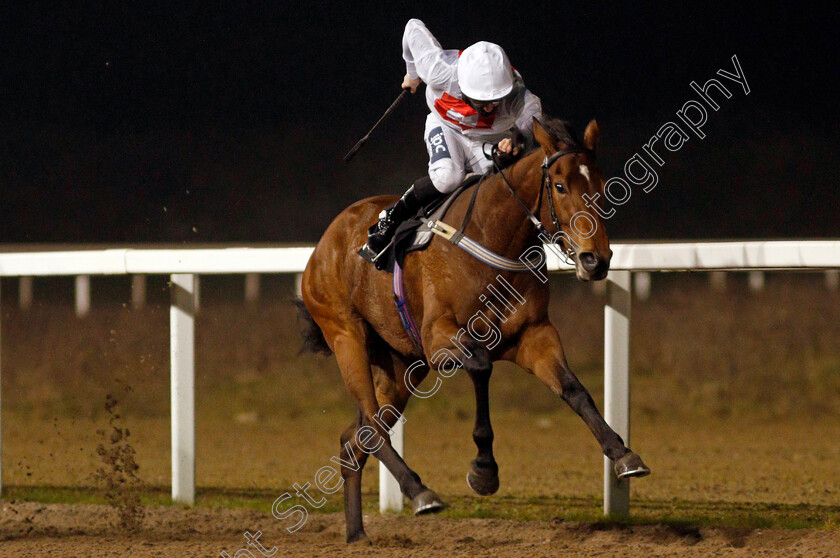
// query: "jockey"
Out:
[476,100]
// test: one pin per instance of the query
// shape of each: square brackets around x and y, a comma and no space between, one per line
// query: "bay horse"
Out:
[349,309]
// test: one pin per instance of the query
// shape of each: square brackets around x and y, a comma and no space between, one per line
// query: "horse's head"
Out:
[570,179]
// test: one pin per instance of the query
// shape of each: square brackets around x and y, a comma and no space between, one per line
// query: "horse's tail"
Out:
[313,337]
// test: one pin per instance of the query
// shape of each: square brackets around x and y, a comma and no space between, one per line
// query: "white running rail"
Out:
[184,264]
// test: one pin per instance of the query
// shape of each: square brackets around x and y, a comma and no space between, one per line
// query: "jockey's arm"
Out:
[423,57]
[531,107]
[528,106]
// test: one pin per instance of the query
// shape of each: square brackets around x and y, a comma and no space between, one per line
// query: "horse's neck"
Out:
[500,223]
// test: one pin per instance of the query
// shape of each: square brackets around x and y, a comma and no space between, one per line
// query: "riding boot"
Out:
[379,234]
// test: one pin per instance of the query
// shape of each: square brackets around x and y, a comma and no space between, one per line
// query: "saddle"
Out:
[413,234]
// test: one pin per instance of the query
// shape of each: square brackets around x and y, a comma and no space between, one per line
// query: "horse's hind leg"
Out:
[353,461]
[368,435]
[392,395]
[541,353]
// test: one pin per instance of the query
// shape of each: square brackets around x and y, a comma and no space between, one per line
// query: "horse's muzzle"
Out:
[594,266]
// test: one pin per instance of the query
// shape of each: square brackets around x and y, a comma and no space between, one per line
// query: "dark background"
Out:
[126,122]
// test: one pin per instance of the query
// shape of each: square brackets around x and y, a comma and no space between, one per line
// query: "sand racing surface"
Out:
[735,407]
[85,530]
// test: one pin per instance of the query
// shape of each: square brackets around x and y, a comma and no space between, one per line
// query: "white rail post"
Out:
[197,293]
[82,295]
[298,284]
[252,287]
[756,280]
[717,279]
[390,495]
[617,384]
[182,355]
[641,284]
[25,293]
[832,279]
[138,291]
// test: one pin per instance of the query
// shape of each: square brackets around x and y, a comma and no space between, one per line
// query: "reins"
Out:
[494,155]
[548,162]
[458,238]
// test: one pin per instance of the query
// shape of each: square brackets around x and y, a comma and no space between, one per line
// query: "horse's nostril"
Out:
[588,261]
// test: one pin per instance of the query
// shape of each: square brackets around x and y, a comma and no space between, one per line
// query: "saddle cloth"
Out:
[413,235]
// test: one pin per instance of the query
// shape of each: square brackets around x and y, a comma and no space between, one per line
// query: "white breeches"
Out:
[452,154]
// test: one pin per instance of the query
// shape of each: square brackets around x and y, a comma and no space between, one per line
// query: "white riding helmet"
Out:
[484,72]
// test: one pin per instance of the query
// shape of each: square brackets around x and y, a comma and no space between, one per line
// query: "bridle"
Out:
[548,162]
[458,238]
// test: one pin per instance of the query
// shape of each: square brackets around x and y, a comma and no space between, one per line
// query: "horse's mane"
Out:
[560,130]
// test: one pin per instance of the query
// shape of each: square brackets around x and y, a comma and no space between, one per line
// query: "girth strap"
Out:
[475,249]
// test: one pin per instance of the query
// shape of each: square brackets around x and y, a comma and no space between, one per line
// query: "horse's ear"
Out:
[544,138]
[591,135]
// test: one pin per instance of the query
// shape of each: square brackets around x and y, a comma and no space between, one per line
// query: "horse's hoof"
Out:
[484,481]
[427,502]
[631,465]
[359,538]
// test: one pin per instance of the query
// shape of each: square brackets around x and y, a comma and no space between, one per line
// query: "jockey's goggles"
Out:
[476,102]
[484,106]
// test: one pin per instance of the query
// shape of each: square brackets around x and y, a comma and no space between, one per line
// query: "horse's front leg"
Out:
[483,476]
[541,353]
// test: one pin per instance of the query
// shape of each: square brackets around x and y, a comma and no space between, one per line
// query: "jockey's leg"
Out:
[418,195]
[447,156]
[448,152]
[478,154]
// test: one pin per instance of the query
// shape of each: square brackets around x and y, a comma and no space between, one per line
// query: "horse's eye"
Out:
[560,187]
